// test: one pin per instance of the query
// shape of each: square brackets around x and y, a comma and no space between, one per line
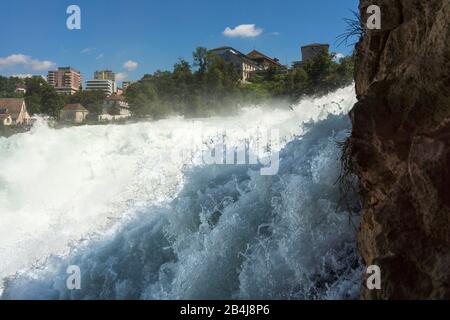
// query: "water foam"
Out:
[156,228]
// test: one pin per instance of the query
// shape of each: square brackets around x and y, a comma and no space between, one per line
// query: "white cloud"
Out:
[41,65]
[120,76]
[23,76]
[28,75]
[130,65]
[338,56]
[100,56]
[86,50]
[243,31]
[26,61]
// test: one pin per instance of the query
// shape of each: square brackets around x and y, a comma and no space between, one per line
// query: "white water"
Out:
[143,222]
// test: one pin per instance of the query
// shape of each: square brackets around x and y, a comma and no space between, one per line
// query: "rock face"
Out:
[400,148]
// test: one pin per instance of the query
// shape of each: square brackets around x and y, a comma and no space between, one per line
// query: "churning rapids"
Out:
[141,222]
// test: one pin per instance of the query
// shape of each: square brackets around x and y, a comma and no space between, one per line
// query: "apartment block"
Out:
[105,75]
[107,86]
[65,80]
[125,85]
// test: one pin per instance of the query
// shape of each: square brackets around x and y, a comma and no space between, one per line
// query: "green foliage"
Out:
[52,103]
[5,94]
[215,87]
[318,75]
[348,181]
[8,86]
[142,99]
[354,30]
[319,71]
[91,100]
[41,98]
[207,91]
[212,88]
[200,56]
[114,110]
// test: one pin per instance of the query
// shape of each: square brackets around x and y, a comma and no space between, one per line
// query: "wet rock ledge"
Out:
[400,148]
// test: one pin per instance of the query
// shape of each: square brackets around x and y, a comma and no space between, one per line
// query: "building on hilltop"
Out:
[310,51]
[264,61]
[244,65]
[125,85]
[107,75]
[20,88]
[104,80]
[266,64]
[74,113]
[13,111]
[65,80]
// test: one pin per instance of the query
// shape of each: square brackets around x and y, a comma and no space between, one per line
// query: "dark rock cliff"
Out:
[400,148]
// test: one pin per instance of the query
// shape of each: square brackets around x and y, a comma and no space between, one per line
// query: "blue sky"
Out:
[154,34]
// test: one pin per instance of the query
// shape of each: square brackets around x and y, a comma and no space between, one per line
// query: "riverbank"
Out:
[8,131]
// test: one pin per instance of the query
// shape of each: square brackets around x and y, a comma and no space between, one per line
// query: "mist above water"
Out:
[136,209]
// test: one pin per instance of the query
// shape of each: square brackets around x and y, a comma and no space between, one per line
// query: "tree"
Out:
[296,83]
[345,71]
[114,110]
[182,70]
[143,100]
[318,70]
[41,98]
[91,100]
[200,56]
[8,86]
[52,102]
[215,87]
[183,86]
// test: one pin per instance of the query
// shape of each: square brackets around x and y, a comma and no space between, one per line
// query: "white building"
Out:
[104,75]
[115,108]
[74,112]
[21,89]
[125,85]
[107,86]
[5,118]
[13,111]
